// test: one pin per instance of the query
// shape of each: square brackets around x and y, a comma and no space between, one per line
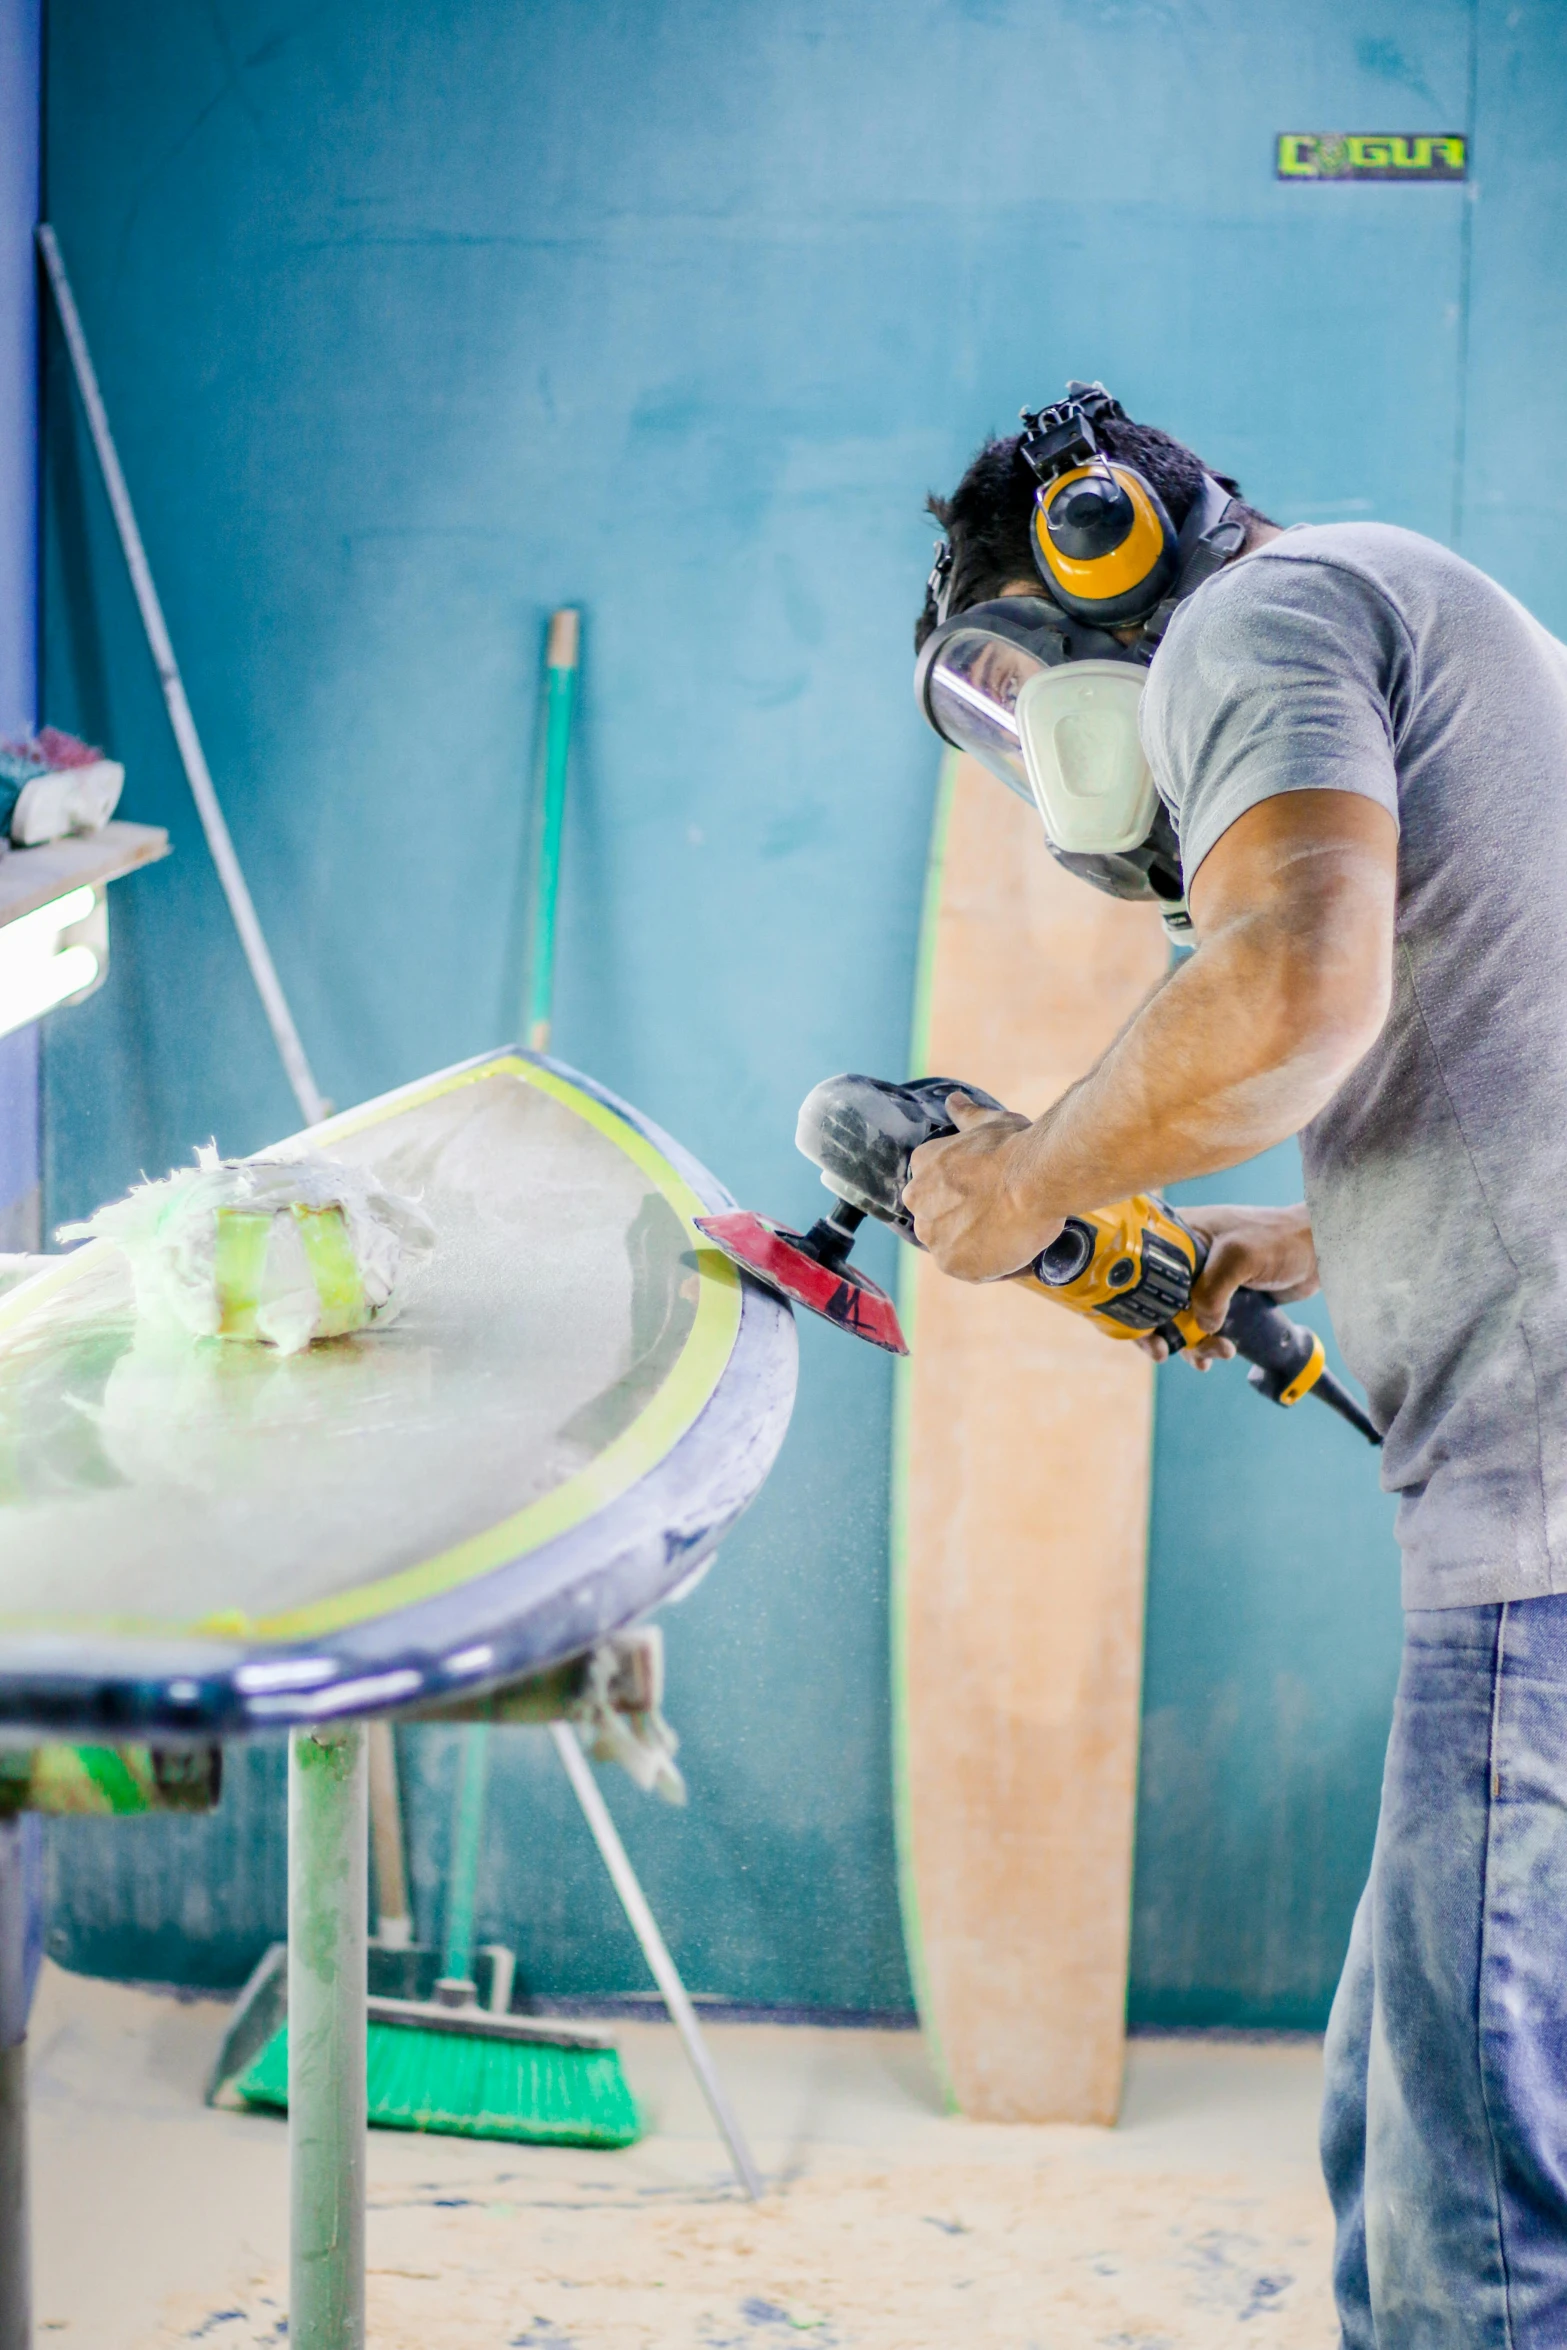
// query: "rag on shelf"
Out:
[52,784]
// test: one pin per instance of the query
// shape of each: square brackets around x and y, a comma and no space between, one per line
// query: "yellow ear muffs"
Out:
[1103,543]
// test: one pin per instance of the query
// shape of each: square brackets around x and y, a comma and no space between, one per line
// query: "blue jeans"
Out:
[1444,2126]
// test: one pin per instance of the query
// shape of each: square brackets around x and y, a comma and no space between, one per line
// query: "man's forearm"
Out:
[1246,1042]
[1217,1066]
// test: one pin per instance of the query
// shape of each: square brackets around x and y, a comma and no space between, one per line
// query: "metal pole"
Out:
[645,1927]
[269,987]
[328,1891]
[16,2320]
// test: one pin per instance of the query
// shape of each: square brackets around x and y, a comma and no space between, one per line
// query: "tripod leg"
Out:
[645,1927]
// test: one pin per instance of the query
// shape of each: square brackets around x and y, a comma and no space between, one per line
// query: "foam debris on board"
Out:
[278,1252]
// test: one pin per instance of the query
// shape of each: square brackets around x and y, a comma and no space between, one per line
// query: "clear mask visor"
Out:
[972,693]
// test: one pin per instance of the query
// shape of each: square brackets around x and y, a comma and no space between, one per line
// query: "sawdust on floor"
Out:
[858,2257]
[888,2225]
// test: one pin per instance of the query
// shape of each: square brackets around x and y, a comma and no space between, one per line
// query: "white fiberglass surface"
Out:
[149,1478]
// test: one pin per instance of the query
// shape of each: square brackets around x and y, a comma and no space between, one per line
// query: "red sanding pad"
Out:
[774,1254]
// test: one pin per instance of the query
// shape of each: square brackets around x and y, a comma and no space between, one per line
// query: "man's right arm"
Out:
[1294,910]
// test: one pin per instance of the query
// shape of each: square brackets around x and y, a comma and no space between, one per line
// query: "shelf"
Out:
[31,877]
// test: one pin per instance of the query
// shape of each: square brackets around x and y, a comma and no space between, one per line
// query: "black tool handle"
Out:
[1279,1350]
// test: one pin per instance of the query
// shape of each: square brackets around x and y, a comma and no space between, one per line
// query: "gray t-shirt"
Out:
[1356,657]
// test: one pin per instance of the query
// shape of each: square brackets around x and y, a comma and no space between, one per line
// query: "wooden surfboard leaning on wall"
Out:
[1020,1523]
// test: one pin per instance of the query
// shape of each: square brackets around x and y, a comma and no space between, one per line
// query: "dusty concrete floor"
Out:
[890,2226]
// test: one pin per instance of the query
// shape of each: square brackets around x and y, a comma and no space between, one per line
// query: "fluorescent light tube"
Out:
[54,954]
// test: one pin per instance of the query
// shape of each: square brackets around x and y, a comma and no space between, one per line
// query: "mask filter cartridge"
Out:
[1084,756]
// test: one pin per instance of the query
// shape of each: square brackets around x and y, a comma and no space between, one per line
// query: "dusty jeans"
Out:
[1444,2126]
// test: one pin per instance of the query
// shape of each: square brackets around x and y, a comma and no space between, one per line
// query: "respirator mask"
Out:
[1042,689]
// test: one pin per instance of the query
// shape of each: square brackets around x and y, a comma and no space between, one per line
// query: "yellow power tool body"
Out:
[1134,1266]
[1131,1267]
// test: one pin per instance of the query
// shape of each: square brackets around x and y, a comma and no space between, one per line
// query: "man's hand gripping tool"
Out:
[1132,1266]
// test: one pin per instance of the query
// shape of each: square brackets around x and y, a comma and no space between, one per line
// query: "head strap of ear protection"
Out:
[1059,438]
[1102,542]
[938,588]
[1213,534]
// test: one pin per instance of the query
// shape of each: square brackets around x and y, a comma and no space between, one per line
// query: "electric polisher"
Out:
[1132,1267]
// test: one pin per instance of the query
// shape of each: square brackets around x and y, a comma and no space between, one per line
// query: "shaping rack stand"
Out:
[493,1541]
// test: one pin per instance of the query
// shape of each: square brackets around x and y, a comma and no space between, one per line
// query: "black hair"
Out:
[988,519]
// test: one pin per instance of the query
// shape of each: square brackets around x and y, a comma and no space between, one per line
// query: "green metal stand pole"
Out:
[456,1987]
[328,1896]
[561,656]
[16,2321]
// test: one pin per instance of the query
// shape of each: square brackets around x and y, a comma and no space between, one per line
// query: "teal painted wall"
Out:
[415,321]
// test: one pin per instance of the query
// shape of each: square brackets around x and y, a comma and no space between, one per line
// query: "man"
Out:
[1361,745]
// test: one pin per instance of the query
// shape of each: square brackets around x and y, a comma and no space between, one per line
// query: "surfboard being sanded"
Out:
[1020,1523]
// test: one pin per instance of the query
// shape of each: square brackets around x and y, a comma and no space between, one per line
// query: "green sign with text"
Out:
[1372,155]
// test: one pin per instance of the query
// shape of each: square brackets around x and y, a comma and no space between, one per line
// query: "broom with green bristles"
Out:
[449,2064]
[467,2071]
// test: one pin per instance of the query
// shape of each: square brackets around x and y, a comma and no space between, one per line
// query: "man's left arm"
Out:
[1293,909]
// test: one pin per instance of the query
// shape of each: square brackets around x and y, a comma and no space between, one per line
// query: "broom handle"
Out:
[393,1920]
[312,1104]
[560,677]
[467,1837]
[562,651]
[654,1949]
[561,655]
